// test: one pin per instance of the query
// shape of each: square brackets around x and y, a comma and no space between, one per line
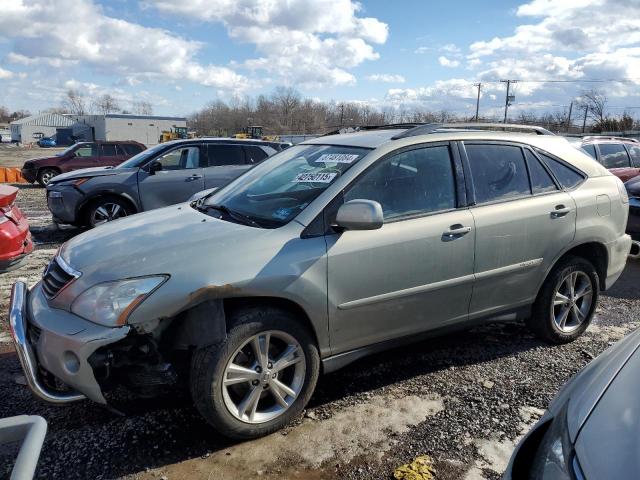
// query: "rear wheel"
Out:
[567,301]
[106,209]
[45,175]
[259,378]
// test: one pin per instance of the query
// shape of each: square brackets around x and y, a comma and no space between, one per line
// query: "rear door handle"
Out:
[194,177]
[560,211]
[456,231]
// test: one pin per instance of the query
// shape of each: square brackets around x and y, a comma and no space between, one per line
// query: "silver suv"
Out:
[328,251]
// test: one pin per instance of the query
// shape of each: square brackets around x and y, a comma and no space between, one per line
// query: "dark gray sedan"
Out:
[592,428]
[159,176]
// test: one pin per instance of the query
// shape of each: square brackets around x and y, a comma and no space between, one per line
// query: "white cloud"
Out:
[421,50]
[386,78]
[308,42]
[446,62]
[4,74]
[450,48]
[78,32]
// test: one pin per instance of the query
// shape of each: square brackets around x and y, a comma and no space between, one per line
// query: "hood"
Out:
[587,388]
[90,172]
[167,240]
[633,187]
[609,442]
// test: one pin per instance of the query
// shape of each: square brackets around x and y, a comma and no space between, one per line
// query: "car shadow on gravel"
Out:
[86,440]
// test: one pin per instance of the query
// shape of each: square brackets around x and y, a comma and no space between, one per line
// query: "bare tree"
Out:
[75,102]
[106,104]
[595,101]
[142,107]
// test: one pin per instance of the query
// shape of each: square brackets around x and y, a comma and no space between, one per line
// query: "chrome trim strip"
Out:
[509,269]
[66,267]
[18,328]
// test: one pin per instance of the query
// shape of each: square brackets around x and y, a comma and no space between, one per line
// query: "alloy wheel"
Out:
[107,212]
[263,377]
[47,176]
[572,301]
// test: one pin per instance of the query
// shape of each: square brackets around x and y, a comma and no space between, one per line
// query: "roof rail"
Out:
[610,137]
[361,128]
[439,127]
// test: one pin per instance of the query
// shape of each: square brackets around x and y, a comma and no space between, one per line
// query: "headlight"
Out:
[111,303]
[555,457]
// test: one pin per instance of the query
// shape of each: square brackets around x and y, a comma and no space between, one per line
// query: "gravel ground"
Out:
[463,399]
[12,155]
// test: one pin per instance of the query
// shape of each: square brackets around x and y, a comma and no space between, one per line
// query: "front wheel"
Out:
[260,378]
[45,175]
[567,301]
[105,210]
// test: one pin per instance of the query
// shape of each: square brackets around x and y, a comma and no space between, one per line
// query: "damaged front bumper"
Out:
[55,342]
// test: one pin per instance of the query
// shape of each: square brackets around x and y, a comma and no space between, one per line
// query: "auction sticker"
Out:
[337,158]
[315,177]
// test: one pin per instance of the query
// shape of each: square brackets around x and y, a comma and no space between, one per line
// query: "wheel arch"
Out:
[82,208]
[594,251]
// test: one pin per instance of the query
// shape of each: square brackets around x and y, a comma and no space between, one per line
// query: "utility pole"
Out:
[341,114]
[479,85]
[569,116]
[584,122]
[507,99]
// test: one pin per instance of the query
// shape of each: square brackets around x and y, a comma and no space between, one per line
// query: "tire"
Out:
[45,175]
[106,209]
[577,311]
[216,402]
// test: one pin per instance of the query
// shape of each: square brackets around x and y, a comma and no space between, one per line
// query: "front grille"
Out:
[57,276]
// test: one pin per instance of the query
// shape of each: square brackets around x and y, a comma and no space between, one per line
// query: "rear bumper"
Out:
[57,342]
[618,251]
[15,241]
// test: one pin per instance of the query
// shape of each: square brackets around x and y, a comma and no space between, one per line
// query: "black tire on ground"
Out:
[208,365]
[108,204]
[542,321]
[45,175]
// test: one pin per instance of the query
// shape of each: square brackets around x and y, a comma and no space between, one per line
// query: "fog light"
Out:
[71,362]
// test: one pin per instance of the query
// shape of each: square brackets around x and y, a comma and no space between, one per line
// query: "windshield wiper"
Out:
[239,217]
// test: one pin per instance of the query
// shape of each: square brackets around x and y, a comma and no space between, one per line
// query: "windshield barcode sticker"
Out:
[314,177]
[337,158]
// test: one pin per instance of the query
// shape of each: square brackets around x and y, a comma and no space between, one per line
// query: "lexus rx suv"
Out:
[328,251]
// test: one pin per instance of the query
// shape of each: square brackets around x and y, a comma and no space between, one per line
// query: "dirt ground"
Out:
[463,399]
[14,156]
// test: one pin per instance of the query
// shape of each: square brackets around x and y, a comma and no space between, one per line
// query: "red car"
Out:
[15,238]
[621,155]
[80,155]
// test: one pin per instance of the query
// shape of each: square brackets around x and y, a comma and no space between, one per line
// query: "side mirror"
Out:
[360,215]
[155,167]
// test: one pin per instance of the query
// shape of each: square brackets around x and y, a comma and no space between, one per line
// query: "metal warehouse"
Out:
[145,129]
[31,129]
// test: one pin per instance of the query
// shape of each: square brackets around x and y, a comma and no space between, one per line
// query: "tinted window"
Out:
[589,149]
[87,150]
[131,149]
[410,183]
[180,158]
[498,171]
[541,181]
[634,151]
[254,154]
[109,150]
[225,155]
[613,155]
[567,177]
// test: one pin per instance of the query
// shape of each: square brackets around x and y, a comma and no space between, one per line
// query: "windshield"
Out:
[141,158]
[275,192]
[68,150]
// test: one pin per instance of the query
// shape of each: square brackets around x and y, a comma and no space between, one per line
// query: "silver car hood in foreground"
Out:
[91,172]
[609,442]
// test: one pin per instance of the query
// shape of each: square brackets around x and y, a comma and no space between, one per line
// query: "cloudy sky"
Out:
[181,54]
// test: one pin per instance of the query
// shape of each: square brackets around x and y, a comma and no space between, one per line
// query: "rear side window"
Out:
[220,155]
[613,155]
[567,176]
[541,181]
[109,150]
[498,172]
[131,149]
[634,152]
[589,149]
[410,183]
[254,154]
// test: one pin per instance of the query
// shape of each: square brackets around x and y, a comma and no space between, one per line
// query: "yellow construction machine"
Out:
[175,133]
[255,132]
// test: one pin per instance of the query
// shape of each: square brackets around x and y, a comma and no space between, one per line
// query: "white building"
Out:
[35,127]
[145,129]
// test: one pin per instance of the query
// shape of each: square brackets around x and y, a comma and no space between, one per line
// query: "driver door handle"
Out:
[560,211]
[195,176]
[456,231]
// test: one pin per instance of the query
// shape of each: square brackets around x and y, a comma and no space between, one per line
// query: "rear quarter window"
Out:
[567,176]
[131,148]
[613,155]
